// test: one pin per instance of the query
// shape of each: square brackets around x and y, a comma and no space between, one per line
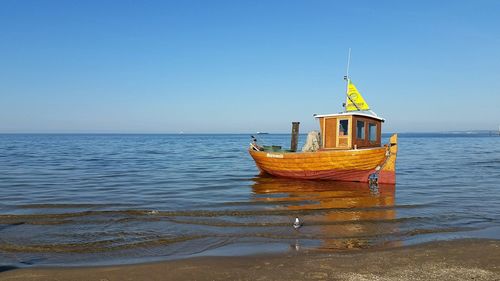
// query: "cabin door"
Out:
[343,133]
[330,133]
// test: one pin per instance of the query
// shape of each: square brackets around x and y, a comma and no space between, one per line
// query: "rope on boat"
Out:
[254,146]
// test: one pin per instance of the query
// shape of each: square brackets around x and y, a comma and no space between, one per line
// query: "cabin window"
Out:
[343,127]
[372,132]
[360,129]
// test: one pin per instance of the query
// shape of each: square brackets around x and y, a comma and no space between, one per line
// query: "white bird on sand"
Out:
[297,223]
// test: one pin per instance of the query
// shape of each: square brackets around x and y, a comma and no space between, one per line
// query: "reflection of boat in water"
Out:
[341,215]
[348,148]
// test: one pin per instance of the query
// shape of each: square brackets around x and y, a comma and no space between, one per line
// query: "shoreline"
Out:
[464,259]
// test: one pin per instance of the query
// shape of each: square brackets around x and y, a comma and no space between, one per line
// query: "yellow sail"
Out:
[355,100]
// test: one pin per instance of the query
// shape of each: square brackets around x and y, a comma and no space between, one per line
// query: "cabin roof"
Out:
[369,114]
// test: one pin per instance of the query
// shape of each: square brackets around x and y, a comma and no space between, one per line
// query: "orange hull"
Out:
[342,165]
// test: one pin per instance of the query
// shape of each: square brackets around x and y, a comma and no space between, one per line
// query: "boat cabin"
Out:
[350,130]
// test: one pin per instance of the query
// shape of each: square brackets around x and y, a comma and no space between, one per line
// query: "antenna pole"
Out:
[348,64]
[347,79]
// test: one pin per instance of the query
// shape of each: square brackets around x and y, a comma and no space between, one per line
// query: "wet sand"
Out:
[445,260]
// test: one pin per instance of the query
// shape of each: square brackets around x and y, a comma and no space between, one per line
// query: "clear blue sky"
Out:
[245,66]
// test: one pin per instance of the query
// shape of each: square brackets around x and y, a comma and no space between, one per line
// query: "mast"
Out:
[348,80]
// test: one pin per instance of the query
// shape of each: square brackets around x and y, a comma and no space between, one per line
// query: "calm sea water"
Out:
[109,199]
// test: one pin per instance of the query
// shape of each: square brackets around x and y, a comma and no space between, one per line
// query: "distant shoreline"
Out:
[468,259]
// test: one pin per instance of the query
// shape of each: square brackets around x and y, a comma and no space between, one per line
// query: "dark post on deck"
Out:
[295,136]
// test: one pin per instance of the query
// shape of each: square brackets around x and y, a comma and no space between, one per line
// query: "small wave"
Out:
[65,206]
[93,247]
[200,213]
[421,231]
[357,221]
[13,218]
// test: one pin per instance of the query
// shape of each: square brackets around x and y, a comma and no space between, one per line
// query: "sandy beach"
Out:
[445,260]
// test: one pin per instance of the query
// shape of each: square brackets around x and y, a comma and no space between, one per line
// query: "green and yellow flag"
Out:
[355,100]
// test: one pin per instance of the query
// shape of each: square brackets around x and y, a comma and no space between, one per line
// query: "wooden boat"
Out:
[350,148]
[361,165]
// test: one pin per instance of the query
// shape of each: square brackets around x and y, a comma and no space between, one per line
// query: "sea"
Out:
[104,199]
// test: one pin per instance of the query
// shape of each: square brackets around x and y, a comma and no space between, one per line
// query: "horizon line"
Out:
[229,133]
